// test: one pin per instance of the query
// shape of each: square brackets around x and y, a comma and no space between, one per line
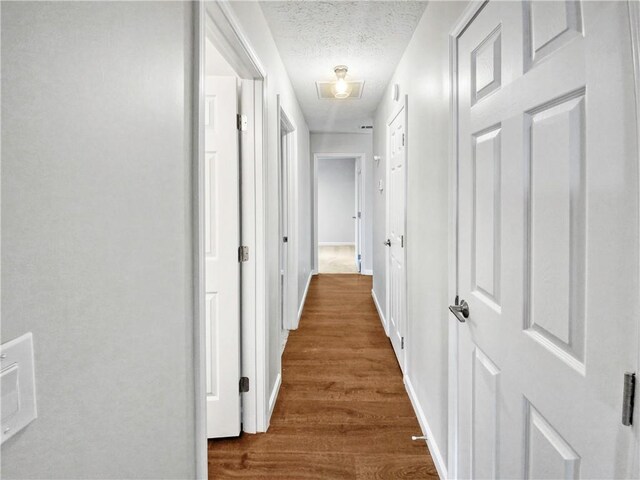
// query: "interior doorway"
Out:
[338,202]
[229,228]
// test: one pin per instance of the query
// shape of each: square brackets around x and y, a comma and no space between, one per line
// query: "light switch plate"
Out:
[18,388]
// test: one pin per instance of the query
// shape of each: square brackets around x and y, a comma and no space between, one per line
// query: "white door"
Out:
[284,229]
[222,270]
[548,241]
[395,242]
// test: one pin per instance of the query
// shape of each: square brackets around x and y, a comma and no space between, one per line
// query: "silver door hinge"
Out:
[242,122]
[244,384]
[403,139]
[243,254]
[402,343]
[628,394]
[359,214]
[402,241]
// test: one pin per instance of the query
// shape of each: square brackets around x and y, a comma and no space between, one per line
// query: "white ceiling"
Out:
[367,36]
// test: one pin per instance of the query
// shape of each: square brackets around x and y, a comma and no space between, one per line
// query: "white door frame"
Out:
[289,297]
[217,21]
[400,108]
[361,159]
[452,448]
[465,19]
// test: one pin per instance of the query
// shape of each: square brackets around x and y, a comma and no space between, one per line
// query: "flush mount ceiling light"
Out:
[340,88]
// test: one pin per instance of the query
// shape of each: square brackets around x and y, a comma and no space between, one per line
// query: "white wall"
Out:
[353,143]
[423,75]
[96,235]
[256,30]
[336,200]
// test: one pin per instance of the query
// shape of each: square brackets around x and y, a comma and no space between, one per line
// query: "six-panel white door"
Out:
[396,266]
[222,270]
[548,241]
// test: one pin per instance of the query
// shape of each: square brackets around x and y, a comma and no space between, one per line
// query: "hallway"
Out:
[342,411]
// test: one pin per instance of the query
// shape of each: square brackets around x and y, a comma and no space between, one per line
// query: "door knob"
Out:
[388,243]
[461,310]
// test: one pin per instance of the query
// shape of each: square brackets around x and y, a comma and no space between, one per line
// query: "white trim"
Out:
[380,314]
[336,244]
[283,341]
[362,157]
[452,418]
[368,272]
[436,454]
[304,296]
[274,394]
[288,128]
[199,281]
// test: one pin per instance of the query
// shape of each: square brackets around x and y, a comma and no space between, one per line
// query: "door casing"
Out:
[360,195]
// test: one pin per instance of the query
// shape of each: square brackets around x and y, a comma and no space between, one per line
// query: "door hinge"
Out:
[285,239]
[243,254]
[242,122]
[244,384]
[359,214]
[402,343]
[628,396]
[402,241]
[403,139]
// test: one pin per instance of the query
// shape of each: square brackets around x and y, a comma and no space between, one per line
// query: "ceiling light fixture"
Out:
[341,89]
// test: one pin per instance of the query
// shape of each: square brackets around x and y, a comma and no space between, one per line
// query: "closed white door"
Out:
[395,242]
[548,241]
[222,270]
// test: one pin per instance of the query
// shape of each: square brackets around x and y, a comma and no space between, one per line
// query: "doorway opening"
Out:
[286,222]
[338,204]
[229,233]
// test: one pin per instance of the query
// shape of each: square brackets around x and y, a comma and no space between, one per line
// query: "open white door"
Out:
[396,265]
[222,270]
[548,241]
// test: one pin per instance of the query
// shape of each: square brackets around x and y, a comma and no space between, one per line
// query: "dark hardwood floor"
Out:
[342,411]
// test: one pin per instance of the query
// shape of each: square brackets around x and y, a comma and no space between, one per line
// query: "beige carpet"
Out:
[337,259]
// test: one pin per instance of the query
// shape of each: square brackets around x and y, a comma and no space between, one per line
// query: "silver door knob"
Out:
[461,311]
[388,243]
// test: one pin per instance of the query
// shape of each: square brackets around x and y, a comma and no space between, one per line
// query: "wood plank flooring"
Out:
[342,411]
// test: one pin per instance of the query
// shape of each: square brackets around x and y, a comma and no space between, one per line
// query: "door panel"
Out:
[222,270]
[396,270]
[548,241]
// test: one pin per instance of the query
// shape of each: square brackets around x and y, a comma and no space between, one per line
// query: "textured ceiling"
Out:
[367,36]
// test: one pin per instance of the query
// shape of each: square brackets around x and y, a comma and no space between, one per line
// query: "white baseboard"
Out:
[304,296]
[336,244]
[274,396]
[367,272]
[283,342]
[441,465]
[380,314]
